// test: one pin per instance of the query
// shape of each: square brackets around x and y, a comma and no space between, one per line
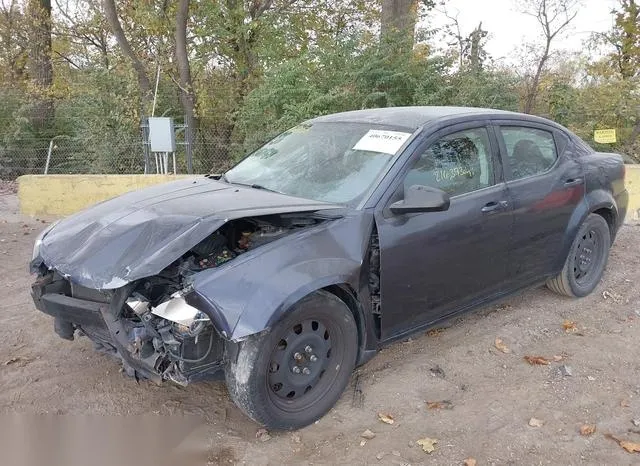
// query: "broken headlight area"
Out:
[171,337]
[151,324]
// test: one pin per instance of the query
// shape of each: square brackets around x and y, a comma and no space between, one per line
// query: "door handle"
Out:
[573,182]
[495,205]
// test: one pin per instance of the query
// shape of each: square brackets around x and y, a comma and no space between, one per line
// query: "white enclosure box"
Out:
[162,136]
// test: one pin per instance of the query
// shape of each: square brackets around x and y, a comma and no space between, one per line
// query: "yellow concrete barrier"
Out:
[60,195]
[632,181]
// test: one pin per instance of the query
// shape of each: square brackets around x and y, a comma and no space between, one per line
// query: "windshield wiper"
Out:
[251,185]
[259,186]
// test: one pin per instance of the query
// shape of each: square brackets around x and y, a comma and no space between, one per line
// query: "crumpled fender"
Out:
[252,292]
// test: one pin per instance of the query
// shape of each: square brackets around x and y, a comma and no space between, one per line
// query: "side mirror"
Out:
[418,198]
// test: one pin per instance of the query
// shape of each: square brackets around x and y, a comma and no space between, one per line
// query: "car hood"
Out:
[139,233]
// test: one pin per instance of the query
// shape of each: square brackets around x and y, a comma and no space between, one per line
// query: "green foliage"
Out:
[262,66]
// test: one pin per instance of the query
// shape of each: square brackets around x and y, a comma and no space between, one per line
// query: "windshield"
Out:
[330,162]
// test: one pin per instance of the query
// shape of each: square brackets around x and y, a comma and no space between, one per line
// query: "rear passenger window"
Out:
[530,151]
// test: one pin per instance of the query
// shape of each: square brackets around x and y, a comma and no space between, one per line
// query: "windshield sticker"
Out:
[386,142]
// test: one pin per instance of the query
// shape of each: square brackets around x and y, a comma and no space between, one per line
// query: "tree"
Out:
[553,16]
[625,39]
[40,68]
[474,50]
[111,14]
[13,45]
[187,94]
[398,23]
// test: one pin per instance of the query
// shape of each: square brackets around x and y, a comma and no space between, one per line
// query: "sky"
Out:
[508,27]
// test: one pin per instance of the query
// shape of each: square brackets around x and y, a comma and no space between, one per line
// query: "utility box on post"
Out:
[162,136]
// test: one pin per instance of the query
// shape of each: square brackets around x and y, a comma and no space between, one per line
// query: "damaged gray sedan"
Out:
[340,235]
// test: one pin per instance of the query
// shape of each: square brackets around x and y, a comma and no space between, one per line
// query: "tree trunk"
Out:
[187,94]
[41,70]
[111,14]
[398,23]
[532,91]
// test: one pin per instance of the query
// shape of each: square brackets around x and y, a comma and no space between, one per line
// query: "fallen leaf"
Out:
[470,462]
[587,429]
[386,418]
[537,360]
[18,361]
[607,294]
[533,422]
[437,371]
[427,444]
[499,344]
[569,326]
[444,404]
[631,447]
[368,434]
[434,332]
[263,435]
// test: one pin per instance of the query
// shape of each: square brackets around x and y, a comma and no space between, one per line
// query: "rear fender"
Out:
[594,200]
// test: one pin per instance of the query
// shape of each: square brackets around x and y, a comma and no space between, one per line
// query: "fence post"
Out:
[188,140]
[46,165]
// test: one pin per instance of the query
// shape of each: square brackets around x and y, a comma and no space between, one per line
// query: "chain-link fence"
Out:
[63,154]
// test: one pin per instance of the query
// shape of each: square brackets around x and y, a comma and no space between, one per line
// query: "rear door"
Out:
[545,183]
[435,262]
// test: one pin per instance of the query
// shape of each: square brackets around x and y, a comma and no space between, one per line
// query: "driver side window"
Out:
[457,163]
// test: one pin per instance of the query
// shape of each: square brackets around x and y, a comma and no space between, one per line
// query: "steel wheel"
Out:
[299,362]
[291,376]
[586,260]
[587,253]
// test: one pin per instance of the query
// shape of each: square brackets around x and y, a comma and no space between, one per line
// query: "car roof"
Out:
[416,116]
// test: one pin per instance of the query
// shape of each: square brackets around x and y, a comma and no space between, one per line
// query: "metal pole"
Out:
[46,165]
[174,163]
[188,139]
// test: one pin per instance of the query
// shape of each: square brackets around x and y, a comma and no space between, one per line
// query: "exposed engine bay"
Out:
[155,326]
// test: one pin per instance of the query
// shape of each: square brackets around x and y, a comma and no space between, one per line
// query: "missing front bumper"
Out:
[142,349]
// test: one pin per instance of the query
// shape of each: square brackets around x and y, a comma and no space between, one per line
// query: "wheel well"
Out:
[610,218]
[347,295]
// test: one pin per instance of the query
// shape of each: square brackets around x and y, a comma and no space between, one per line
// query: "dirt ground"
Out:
[492,395]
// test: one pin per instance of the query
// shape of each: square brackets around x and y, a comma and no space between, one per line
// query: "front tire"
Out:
[586,261]
[293,375]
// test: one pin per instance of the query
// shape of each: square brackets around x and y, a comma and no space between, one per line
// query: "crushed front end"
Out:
[158,326]
[147,325]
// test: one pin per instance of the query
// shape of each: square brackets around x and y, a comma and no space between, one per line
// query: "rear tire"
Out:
[293,375]
[586,261]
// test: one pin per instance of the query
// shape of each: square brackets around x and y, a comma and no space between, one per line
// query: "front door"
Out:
[436,262]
